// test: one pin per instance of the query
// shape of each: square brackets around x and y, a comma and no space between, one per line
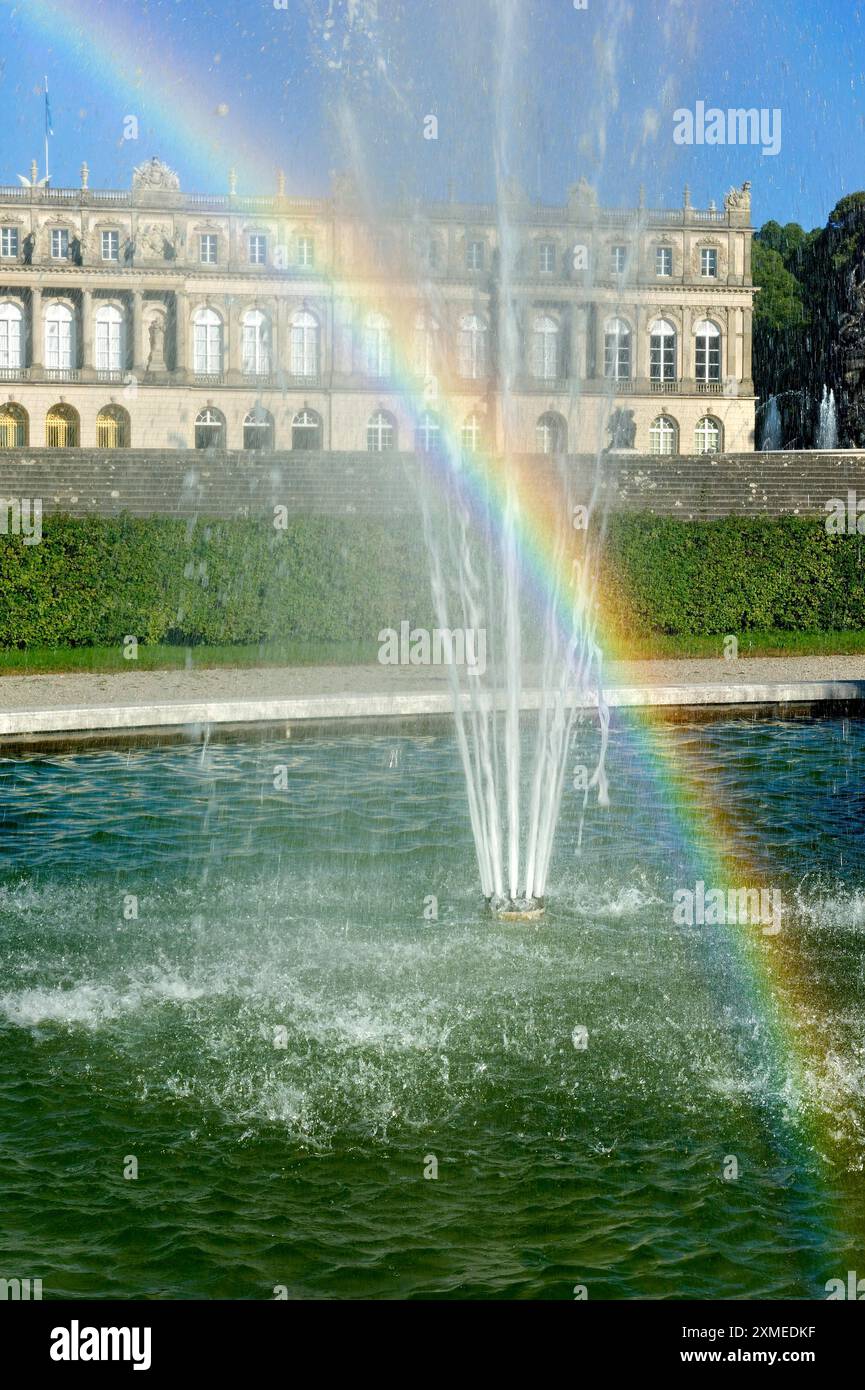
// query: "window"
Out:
[472,347]
[13,426]
[59,243]
[662,351]
[61,428]
[110,244]
[708,261]
[304,344]
[110,353]
[663,434]
[618,259]
[707,436]
[112,428]
[306,430]
[471,434]
[209,429]
[380,433]
[475,255]
[257,249]
[207,343]
[255,344]
[546,257]
[427,436]
[11,335]
[550,434]
[59,341]
[433,254]
[376,346]
[663,260]
[207,248]
[708,361]
[8,241]
[425,347]
[617,350]
[305,252]
[545,348]
[258,430]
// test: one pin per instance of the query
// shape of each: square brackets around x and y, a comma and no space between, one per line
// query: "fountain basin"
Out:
[516,909]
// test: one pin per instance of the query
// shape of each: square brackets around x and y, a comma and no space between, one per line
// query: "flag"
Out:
[49,129]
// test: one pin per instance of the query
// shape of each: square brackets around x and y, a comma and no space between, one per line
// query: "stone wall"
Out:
[144,482]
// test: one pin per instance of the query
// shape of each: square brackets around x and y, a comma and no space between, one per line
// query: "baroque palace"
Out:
[151,318]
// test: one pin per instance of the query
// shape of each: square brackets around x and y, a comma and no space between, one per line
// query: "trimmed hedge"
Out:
[93,581]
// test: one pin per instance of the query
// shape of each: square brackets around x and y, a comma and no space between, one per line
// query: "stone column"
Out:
[579,342]
[733,330]
[137,326]
[600,315]
[639,350]
[37,340]
[181,331]
[283,343]
[88,356]
[687,344]
[747,315]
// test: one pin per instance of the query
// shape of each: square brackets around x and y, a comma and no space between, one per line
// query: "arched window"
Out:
[376,346]
[662,351]
[209,429]
[255,343]
[112,428]
[471,434]
[13,426]
[61,427]
[708,358]
[472,347]
[427,436]
[380,433]
[545,348]
[617,350]
[304,344]
[110,345]
[11,335]
[707,436]
[663,435]
[258,429]
[207,343]
[551,434]
[425,346]
[59,338]
[306,430]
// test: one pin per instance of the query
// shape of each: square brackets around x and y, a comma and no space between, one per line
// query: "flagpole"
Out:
[46,130]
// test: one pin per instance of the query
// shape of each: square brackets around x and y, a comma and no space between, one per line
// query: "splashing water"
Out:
[827,429]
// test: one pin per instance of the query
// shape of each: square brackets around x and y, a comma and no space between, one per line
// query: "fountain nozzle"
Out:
[516,909]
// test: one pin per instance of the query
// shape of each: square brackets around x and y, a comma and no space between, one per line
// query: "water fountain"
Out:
[827,428]
[771,438]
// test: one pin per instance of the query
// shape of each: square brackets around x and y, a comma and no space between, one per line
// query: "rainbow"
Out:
[770,979]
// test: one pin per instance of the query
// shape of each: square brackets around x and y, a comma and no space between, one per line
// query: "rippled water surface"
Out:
[309,1013]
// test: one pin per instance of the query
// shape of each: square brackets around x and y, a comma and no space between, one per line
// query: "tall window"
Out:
[546,257]
[258,430]
[59,338]
[8,241]
[475,255]
[207,343]
[617,350]
[13,426]
[112,428]
[207,248]
[380,433]
[110,245]
[305,252]
[425,347]
[306,430]
[618,259]
[550,434]
[663,433]
[545,348]
[472,347]
[708,261]
[257,249]
[304,344]
[209,429]
[662,351]
[471,434]
[663,260]
[59,243]
[109,340]
[427,436]
[11,335]
[708,357]
[376,346]
[707,436]
[255,343]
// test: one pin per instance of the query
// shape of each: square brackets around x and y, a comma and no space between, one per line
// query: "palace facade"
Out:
[151,318]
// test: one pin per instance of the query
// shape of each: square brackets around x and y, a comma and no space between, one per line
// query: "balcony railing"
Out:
[208,378]
[62,374]
[670,386]
[14,373]
[710,388]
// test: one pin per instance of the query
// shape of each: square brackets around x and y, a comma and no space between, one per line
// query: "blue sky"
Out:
[536,87]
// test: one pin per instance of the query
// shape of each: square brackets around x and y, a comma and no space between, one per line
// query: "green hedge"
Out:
[91,582]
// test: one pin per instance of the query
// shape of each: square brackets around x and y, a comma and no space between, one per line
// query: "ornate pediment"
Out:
[154,174]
